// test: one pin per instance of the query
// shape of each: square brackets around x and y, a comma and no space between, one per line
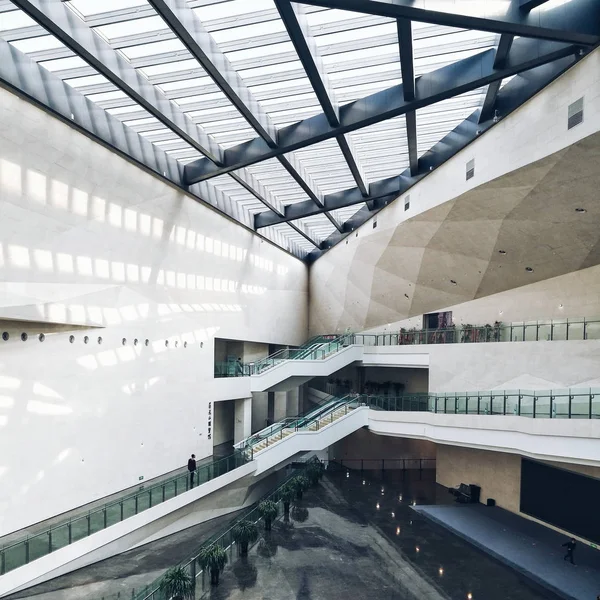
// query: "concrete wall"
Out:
[526,167]
[87,238]
[370,447]
[574,295]
[498,473]
[514,365]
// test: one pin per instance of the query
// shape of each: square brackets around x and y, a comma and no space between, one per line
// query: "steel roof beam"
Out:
[530,4]
[64,24]
[189,29]
[441,84]
[487,110]
[408,80]
[573,23]
[27,78]
[299,31]
[510,97]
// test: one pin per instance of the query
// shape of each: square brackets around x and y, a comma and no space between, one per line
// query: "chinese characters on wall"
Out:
[210,420]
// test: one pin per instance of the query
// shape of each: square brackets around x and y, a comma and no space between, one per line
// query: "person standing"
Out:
[192,469]
[570,545]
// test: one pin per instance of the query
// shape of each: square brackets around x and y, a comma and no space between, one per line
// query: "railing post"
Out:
[49,541]
[105,518]
[534,403]
[121,510]
[570,404]
[504,408]
[2,563]
[478,404]
[551,399]
[27,551]
[519,405]
[70,532]
[590,406]
[136,504]
[89,522]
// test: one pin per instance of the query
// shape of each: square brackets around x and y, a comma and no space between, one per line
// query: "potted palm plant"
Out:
[245,533]
[286,494]
[300,485]
[268,511]
[314,472]
[177,584]
[213,559]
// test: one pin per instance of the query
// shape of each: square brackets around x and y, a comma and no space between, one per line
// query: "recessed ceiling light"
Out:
[501,251]
[529,269]
[580,210]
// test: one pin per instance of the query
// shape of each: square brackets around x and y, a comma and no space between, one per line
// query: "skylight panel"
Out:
[96,7]
[133,52]
[37,44]
[78,82]
[131,27]
[15,19]
[275,178]
[357,34]
[62,64]
[172,67]
[249,31]
[232,9]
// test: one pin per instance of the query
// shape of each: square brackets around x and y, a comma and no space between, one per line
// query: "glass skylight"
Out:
[358,53]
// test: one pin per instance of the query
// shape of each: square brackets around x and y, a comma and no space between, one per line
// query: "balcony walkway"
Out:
[531,548]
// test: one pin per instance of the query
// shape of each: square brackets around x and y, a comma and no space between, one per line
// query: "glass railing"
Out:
[224,539]
[580,403]
[523,331]
[70,531]
[323,346]
[319,417]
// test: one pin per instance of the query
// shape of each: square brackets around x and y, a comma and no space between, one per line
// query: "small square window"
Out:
[575,115]
[471,169]
[406,202]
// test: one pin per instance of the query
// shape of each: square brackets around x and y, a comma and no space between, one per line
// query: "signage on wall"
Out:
[210,420]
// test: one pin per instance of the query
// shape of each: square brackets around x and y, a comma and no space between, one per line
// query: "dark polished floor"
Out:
[358,537]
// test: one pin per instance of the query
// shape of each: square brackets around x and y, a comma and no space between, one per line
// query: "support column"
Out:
[280,408]
[243,419]
[293,402]
[260,410]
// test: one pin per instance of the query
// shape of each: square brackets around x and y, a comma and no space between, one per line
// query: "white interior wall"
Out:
[87,237]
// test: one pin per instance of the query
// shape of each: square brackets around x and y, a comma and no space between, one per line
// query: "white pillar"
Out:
[293,402]
[243,419]
[260,408]
[280,411]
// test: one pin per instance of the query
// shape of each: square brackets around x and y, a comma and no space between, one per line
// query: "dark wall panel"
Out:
[561,498]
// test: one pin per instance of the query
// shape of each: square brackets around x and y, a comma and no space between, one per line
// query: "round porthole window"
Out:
[41,337]
[147,342]
[99,340]
[24,337]
[71,338]
[5,336]
[124,341]
[86,339]
[135,342]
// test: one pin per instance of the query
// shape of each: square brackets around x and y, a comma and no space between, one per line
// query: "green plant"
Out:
[213,559]
[286,494]
[314,472]
[300,485]
[245,533]
[177,584]
[268,511]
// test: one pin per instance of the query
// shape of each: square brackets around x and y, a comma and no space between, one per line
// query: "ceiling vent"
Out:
[575,113]
[471,169]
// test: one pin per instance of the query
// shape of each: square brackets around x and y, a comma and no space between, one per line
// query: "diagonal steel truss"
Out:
[534,46]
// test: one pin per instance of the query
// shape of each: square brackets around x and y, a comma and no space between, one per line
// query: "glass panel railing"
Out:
[58,536]
[549,404]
